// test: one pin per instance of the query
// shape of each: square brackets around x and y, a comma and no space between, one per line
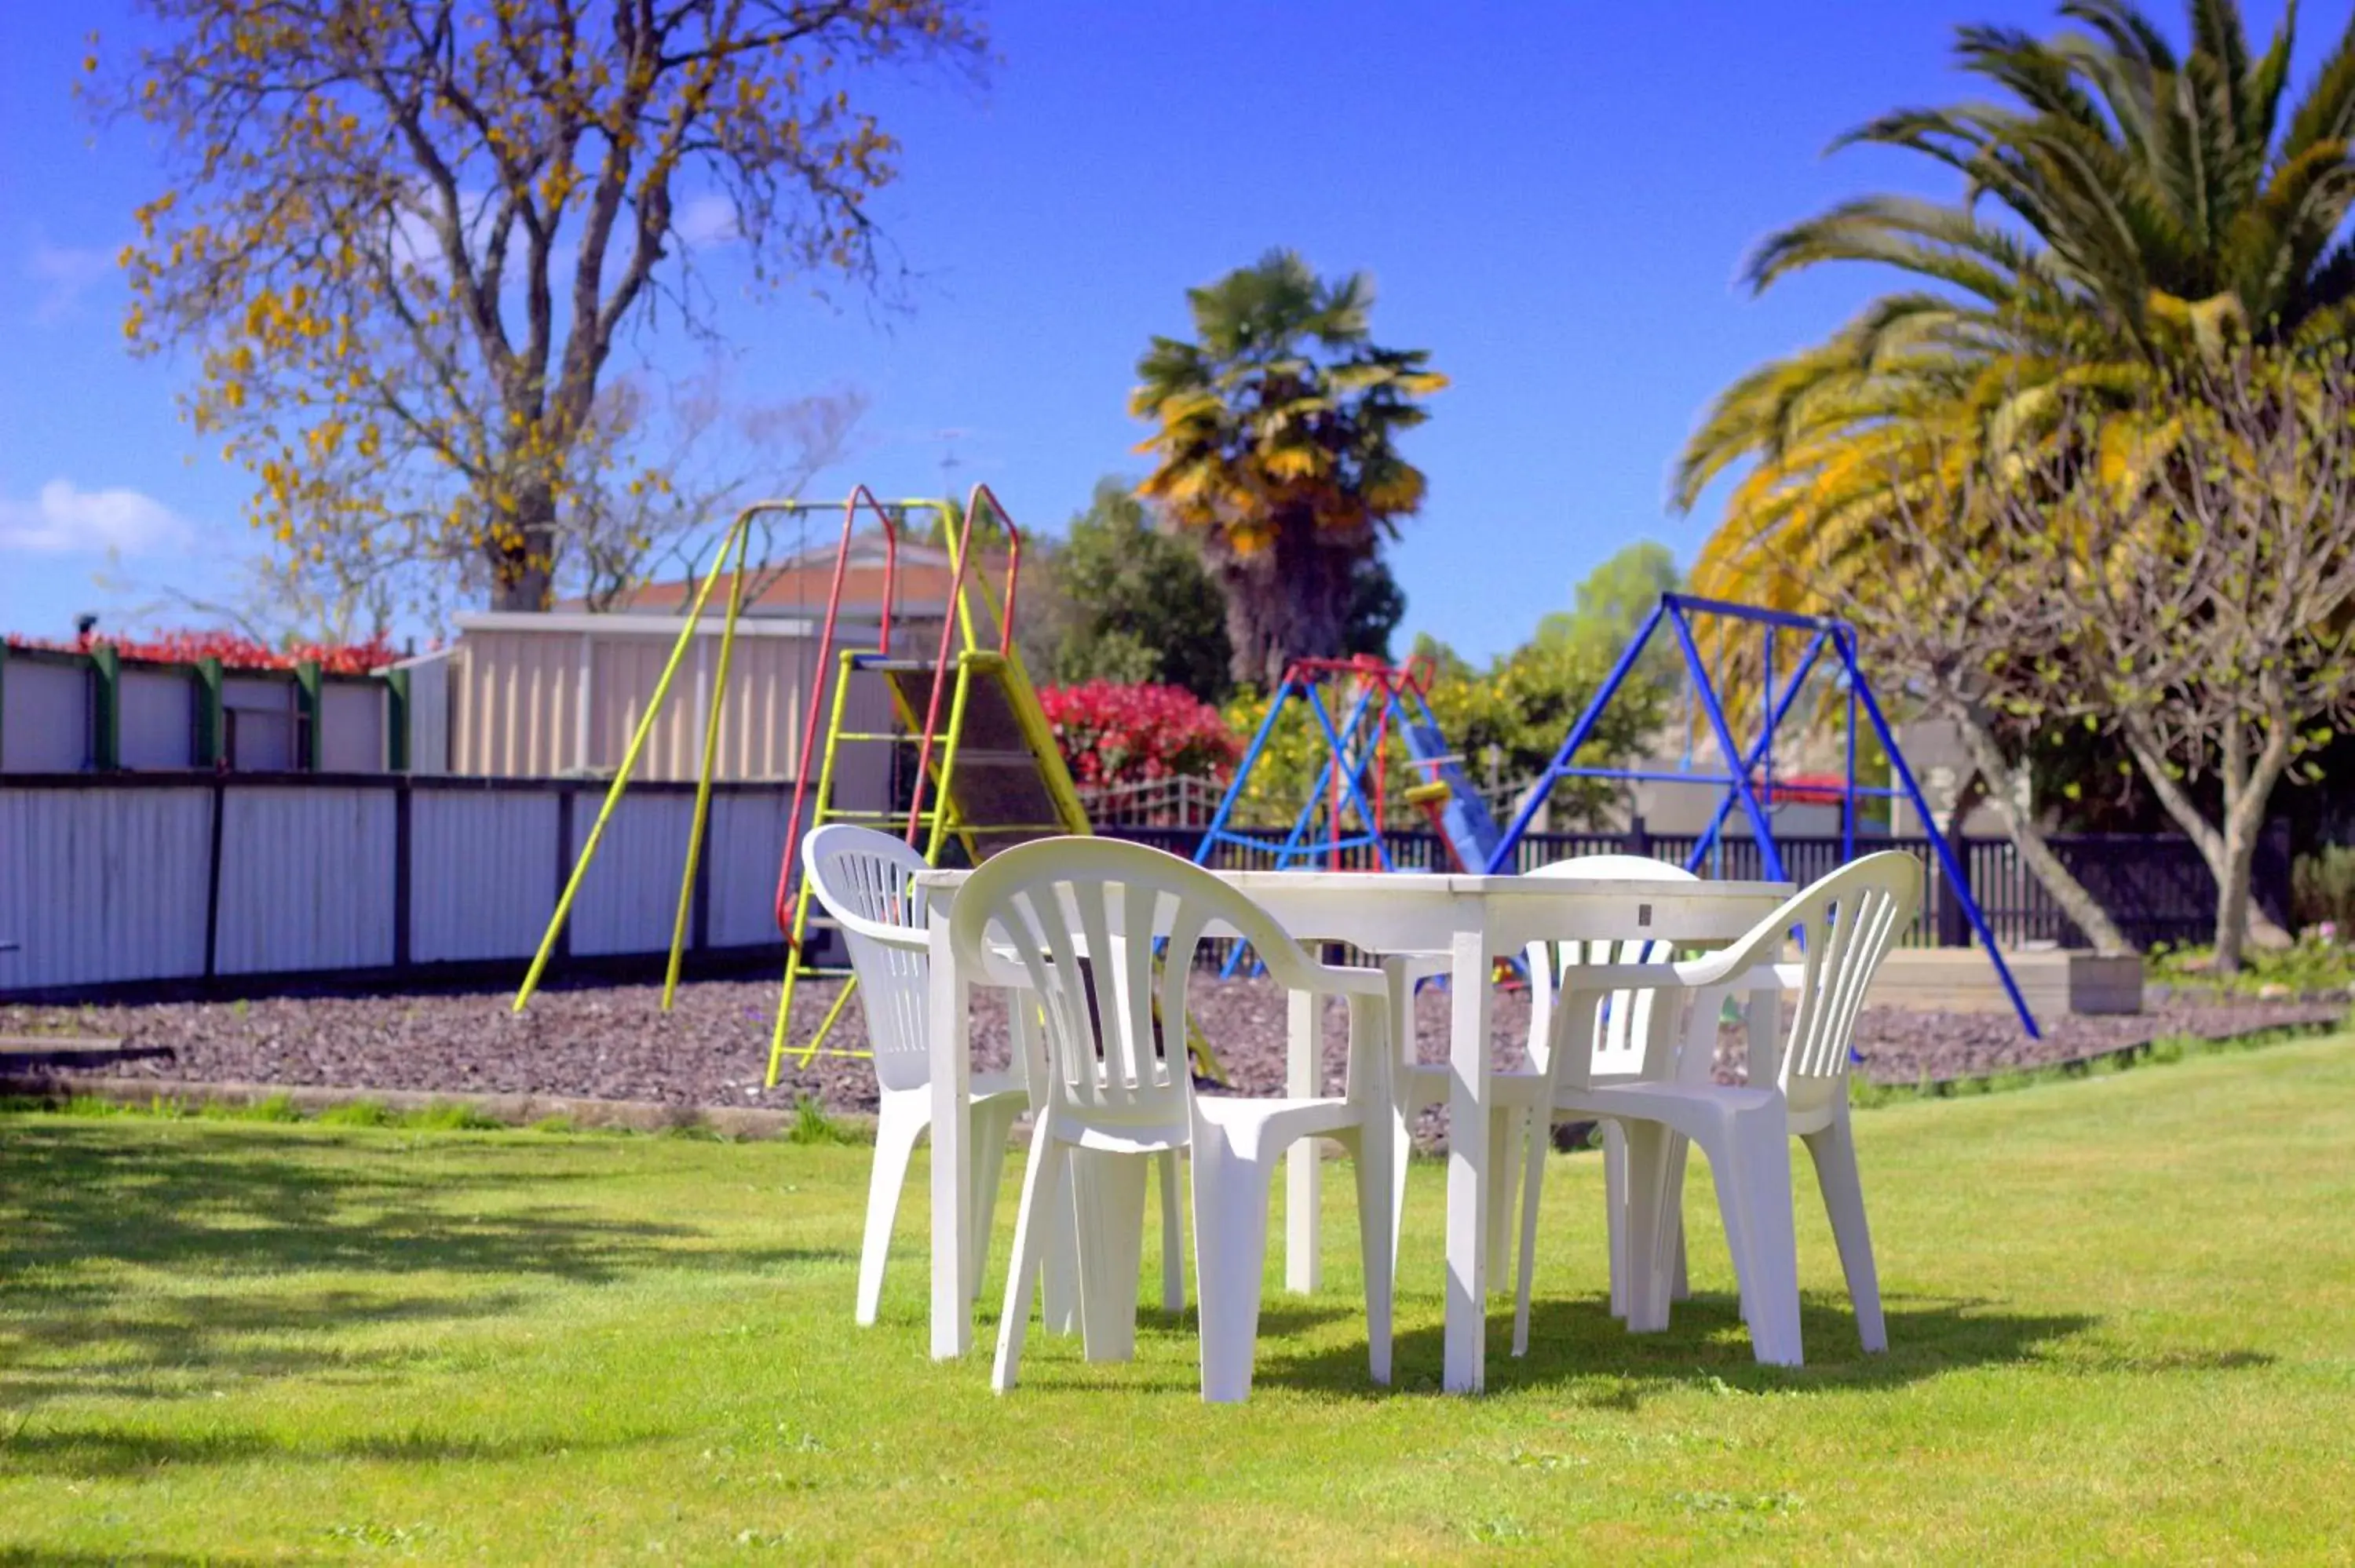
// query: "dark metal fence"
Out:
[2155,886]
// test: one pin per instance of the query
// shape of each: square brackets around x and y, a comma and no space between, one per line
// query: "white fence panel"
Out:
[482,873]
[102,884]
[429,712]
[631,895]
[44,717]
[307,880]
[158,718]
[748,837]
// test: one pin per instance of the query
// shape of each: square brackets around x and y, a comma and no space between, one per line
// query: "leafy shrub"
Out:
[1112,733]
[2322,890]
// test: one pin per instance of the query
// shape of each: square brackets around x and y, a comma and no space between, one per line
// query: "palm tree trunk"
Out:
[1288,602]
[2002,779]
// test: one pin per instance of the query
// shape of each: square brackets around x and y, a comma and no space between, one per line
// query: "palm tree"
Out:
[2148,210]
[1276,444]
[2128,208]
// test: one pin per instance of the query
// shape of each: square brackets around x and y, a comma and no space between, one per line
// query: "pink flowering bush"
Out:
[234,651]
[1112,733]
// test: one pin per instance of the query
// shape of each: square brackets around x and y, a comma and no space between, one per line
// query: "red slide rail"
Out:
[860,495]
[952,607]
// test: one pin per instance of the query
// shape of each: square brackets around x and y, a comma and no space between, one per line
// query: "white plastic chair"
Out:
[1847,923]
[864,880]
[1518,1094]
[1633,1039]
[1117,1089]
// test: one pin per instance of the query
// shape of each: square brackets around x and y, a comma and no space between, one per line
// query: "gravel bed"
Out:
[615,1042]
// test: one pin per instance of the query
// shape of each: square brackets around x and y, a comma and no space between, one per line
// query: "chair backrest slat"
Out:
[1847,923]
[1623,1029]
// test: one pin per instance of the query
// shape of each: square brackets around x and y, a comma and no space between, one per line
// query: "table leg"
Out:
[1468,1093]
[1304,1267]
[952,1071]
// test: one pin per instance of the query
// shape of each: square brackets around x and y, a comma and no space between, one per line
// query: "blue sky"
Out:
[1554,199]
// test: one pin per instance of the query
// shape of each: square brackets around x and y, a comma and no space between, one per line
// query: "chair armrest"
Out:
[1341,979]
[1418,966]
[912,939]
[1590,978]
[1770,977]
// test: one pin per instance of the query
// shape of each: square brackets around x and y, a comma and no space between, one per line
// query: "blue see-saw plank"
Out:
[1469,830]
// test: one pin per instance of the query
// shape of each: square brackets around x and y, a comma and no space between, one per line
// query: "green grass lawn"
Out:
[2122,1314]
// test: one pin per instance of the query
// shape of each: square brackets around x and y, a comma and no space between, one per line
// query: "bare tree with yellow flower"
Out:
[411,241]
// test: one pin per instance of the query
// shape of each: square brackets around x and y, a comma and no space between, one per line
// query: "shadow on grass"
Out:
[109,1450]
[237,1204]
[43,1557]
[1576,1342]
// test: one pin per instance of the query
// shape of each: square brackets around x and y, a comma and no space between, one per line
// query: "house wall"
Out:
[44,716]
[525,702]
[158,718]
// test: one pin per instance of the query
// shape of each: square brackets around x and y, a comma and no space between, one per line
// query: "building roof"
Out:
[797,586]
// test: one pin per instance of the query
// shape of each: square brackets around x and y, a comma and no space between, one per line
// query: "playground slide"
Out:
[1471,833]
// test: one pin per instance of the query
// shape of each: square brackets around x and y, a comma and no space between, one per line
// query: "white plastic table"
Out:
[1474,920]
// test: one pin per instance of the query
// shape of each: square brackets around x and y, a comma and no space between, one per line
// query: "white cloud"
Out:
[64,274]
[66,520]
[706,219]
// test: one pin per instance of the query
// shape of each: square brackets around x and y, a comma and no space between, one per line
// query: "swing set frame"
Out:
[1749,785]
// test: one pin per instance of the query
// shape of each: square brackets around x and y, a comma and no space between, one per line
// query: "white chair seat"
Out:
[1277,1119]
[990,1085]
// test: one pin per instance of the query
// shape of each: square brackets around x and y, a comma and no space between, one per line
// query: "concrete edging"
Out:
[512,1110]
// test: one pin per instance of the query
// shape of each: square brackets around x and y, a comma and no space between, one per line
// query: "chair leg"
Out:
[1230,1196]
[1673,1215]
[1173,1235]
[1508,1126]
[1834,1152]
[1644,1217]
[1058,1267]
[1401,1146]
[1749,1160]
[1111,1209]
[1540,1139]
[1044,1180]
[1374,1154]
[898,1124]
[1614,1210]
[993,1129]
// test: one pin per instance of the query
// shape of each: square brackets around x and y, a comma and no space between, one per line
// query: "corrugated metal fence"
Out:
[118,878]
[2154,885]
[122,878]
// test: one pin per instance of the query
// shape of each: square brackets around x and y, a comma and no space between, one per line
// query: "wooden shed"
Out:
[558,694]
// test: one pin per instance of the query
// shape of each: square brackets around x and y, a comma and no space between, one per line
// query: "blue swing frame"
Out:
[1823,633]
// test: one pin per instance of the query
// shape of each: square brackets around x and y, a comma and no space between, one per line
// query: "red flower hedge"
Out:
[1113,733]
[234,651]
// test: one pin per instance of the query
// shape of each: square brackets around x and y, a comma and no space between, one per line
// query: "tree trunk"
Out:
[2230,850]
[1288,602]
[523,555]
[2054,877]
